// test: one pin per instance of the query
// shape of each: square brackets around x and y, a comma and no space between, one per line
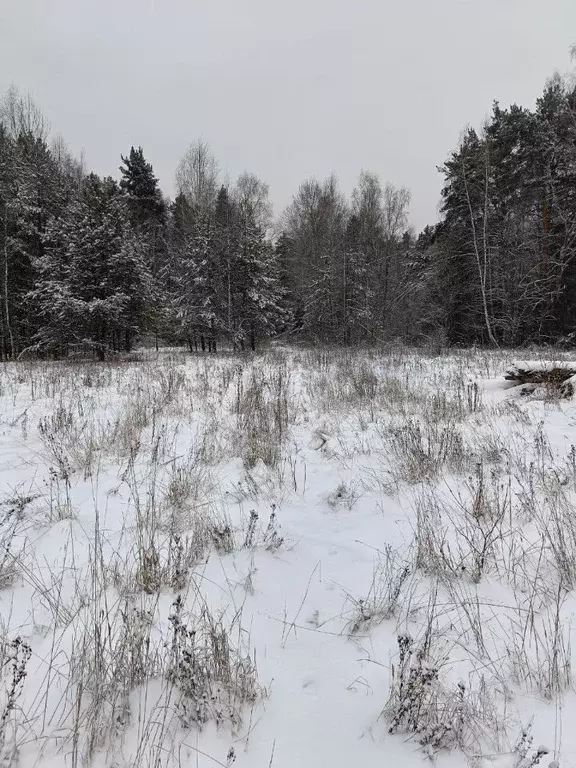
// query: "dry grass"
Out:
[382,601]
[200,459]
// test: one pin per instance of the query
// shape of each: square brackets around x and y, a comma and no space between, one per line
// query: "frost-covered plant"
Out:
[214,679]
[524,754]
[422,450]
[269,538]
[435,712]
[14,657]
[381,602]
[8,563]
[272,538]
[262,411]
[114,652]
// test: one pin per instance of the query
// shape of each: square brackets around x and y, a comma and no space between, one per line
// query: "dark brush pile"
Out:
[555,377]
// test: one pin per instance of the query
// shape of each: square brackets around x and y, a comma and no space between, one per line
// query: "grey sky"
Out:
[284,89]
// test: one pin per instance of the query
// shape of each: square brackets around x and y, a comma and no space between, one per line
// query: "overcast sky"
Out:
[284,88]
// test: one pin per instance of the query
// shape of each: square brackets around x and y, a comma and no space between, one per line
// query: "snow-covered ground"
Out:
[304,558]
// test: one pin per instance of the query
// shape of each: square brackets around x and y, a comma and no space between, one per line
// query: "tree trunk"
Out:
[230,332]
[481,260]
[5,291]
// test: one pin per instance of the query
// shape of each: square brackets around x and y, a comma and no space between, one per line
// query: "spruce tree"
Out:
[148,216]
[31,191]
[145,203]
[258,286]
[92,283]
[227,245]
[198,296]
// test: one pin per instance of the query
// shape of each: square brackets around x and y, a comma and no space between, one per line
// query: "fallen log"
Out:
[557,376]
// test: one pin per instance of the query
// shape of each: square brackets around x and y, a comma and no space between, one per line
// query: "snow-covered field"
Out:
[304,558]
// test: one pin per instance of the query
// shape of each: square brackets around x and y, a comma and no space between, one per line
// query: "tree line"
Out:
[91,264]
[500,267]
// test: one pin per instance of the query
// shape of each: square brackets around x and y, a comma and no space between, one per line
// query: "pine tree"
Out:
[92,282]
[556,115]
[31,190]
[507,240]
[226,244]
[8,233]
[258,287]
[182,220]
[198,297]
[145,203]
[148,216]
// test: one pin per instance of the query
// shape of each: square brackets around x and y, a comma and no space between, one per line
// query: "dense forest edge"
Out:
[92,265]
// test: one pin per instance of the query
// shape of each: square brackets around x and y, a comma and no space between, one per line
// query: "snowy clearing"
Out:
[300,558]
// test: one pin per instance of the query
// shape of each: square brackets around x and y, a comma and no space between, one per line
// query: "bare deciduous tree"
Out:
[394,222]
[367,206]
[250,195]
[22,116]
[197,177]
[66,163]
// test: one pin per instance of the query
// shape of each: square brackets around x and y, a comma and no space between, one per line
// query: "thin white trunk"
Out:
[5,286]
[481,259]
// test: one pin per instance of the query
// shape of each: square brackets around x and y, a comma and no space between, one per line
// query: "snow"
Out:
[100,462]
[540,365]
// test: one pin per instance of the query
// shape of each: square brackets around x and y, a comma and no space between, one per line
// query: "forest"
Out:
[92,265]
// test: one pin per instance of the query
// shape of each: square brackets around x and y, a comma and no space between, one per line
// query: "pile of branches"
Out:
[556,377]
